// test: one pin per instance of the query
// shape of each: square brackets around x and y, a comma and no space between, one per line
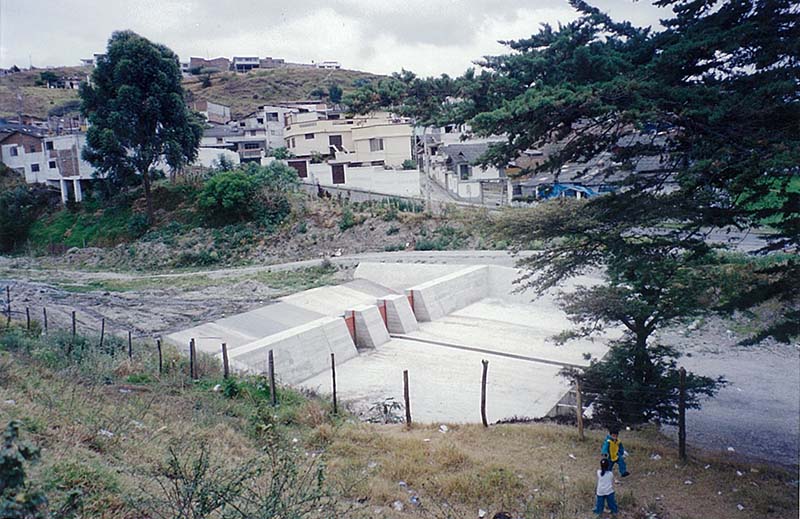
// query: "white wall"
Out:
[207,156]
[369,178]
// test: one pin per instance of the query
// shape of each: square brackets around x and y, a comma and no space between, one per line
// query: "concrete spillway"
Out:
[437,321]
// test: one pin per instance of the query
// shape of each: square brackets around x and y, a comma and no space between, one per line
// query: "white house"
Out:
[52,160]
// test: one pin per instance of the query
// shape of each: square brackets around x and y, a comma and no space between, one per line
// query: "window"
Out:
[376,145]
[309,136]
[32,148]
[241,124]
[48,145]
[252,133]
[251,145]
[14,151]
[260,120]
[219,140]
[34,168]
[464,171]
[51,164]
[272,117]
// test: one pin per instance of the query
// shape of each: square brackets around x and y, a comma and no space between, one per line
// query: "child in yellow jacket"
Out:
[614,451]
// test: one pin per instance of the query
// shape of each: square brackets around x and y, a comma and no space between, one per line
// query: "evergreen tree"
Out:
[137,113]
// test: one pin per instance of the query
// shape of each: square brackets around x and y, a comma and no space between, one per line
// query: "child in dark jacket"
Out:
[614,451]
[605,489]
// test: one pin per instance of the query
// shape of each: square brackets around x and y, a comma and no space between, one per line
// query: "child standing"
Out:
[605,489]
[614,451]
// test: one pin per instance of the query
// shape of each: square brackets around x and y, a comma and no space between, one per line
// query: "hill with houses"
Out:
[24,93]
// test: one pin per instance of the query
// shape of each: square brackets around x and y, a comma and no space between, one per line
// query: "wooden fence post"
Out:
[579,408]
[271,362]
[483,393]
[682,414]
[191,359]
[225,366]
[74,328]
[27,318]
[407,398]
[130,346]
[44,313]
[333,380]
[160,358]
[102,331]
[8,300]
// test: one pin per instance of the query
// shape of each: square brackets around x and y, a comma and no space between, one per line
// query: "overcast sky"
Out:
[429,37]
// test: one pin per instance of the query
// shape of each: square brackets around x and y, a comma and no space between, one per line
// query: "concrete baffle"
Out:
[399,315]
[370,330]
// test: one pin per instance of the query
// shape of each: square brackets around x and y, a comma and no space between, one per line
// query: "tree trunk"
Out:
[642,363]
[147,196]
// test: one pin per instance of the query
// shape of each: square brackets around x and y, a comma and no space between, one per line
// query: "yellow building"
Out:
[374,139]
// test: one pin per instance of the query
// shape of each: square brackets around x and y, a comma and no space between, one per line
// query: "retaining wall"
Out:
[370,330]
[441,296]
[399,315]
[300,352]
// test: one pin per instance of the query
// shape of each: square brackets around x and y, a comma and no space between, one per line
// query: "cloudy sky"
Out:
[429,37]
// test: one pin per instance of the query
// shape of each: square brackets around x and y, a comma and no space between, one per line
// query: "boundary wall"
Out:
[300,352]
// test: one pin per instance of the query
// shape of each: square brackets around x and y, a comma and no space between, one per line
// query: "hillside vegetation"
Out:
[246,92]
[242,92]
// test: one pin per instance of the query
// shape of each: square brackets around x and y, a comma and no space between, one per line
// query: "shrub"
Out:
[17,499]
[409,164]
[282,153]
[228,197]
[348,220]
[138,225]
[18,209]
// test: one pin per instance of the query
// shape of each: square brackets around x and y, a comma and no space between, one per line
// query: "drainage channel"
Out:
[488,352]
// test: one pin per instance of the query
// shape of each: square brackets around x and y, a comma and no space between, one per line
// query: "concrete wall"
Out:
[371,332]
[207,156]
[300,352]
[399,315]
[400,276]
[439,297]
[375,179]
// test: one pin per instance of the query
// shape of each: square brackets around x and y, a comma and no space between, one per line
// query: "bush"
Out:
[282,153]
[409,164]
[138,225]
[348,220]
[229,197]
[18,210]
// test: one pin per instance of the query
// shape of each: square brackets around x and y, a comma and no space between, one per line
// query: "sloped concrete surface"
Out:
[399,315]
[370,329]
[439,297]
[300,352]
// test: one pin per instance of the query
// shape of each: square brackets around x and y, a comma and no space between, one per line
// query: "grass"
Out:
[79,228]
[283,281]
[107,424]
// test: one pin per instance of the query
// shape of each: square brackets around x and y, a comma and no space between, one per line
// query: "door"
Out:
[335,140]
[337,171]
[300,166]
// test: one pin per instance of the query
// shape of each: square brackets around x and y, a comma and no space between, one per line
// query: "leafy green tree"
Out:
[48,77]
[711,98]
[335,93]
[648,285]
[137,114]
